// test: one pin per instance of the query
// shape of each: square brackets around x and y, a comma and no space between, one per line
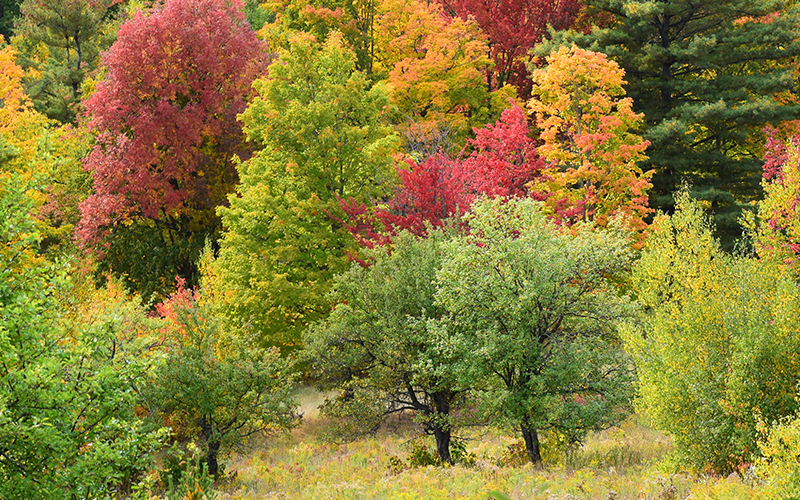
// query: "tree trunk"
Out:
[531,438]
[442,432]
[211,458]
[443,443]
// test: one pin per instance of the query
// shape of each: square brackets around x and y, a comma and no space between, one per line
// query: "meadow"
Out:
[622,463]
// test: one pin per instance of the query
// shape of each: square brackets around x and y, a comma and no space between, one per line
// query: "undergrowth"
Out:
[621,463]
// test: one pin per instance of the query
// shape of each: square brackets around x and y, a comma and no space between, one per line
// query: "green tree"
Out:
[225,387]
[708,77]
[717,347]
[532,310]
[9,11]
[59,44]
[68,393]
[321,126]
[376,347]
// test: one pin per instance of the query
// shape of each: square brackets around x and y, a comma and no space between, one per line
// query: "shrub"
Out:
[717,344]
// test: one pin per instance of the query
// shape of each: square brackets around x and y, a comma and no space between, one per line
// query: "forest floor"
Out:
[626,462]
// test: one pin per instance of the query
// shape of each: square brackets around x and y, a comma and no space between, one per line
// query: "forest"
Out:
[401,249]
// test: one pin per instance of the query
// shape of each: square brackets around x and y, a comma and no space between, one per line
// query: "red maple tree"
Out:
[165,116]
[513,28]
[502,161]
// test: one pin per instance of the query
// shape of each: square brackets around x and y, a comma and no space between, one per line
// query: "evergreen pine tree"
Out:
[708,76]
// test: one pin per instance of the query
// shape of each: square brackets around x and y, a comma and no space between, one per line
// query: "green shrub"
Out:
[779,465]
[717,345]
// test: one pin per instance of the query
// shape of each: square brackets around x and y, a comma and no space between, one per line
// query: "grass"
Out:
[616,464]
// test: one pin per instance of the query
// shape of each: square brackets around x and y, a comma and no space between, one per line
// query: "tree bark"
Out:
[442,437]
[531,438]
[211,458]
[442,432]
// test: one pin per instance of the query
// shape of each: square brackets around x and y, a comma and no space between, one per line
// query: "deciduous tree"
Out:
[20,125]
[503,161]
[436,72]
[531,314]
[717,348]
[226,387]
[376,347]
[166,131]
[775,226]
[589,133]
[67,422]
[324,135]
[708,77]
[512,29]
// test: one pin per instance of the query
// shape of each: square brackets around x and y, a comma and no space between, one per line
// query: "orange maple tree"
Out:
[588,133]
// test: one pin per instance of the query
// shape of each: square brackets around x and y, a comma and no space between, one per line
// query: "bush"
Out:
[779,465]
[222,384]
[717,345]
[68,397]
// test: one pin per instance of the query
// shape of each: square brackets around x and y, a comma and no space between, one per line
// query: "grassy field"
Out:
[620,463]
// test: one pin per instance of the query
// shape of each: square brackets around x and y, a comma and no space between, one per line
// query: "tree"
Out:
[60,44]
[166,131]
[716,350]
[354,21]
[775,226]
[531,312]
[36,150]
[512,29]
[503,162]
[223,385]
[9,11]
[376,347]
[20,125]
[322,128]
[708,77]
[68,426]
[588,130]
[435,70]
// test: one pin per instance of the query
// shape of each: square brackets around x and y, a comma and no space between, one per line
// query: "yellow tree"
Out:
[20,125]
[588,129]
[436,68]
[718,346]
[775,228]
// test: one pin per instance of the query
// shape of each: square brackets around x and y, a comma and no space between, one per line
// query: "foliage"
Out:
[218,381]
[512,29]
[376,347]
[322,128]
[47,157]
[193,481]
[166,132]
[9,11]
[67,402]
[588,133]
[717,347]
[708,77]
[435,69]
[778,466]
[59,45]
[775,227]
[503,162]
[20,125]
[531,313]
[353,21]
